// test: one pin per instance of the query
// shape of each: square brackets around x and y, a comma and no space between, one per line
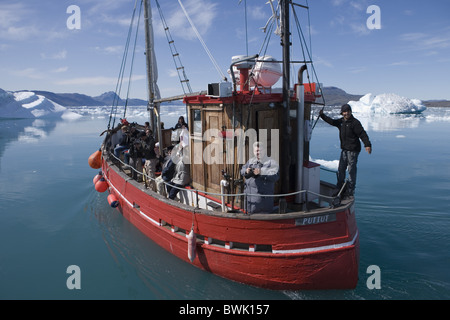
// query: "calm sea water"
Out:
[51,217]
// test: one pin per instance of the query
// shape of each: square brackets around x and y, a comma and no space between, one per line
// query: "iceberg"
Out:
[27,104]
[387,103]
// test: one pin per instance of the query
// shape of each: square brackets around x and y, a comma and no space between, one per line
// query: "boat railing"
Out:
[218,198]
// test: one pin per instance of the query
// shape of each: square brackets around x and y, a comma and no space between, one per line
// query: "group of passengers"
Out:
[141,152]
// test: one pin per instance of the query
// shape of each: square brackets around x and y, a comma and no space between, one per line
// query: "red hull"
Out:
[294,256]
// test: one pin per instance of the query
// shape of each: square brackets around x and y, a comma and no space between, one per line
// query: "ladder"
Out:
[185,85]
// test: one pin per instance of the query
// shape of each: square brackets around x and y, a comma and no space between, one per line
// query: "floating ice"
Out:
[27,104]
[387,103]
[330,165]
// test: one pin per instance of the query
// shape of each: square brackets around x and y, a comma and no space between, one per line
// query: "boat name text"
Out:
[315,220]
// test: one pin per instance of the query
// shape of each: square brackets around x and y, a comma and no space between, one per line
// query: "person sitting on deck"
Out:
[260,173]
[182,177]
[124,143]
[167,172]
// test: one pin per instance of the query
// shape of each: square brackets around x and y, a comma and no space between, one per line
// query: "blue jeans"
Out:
[173,191]
[118,150]
[348,161]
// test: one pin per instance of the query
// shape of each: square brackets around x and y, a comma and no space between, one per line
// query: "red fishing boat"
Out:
[306,238]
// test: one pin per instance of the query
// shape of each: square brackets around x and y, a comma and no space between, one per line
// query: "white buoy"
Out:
[192,241]
[266,72]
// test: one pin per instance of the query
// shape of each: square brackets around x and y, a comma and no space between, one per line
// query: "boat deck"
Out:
[212,204]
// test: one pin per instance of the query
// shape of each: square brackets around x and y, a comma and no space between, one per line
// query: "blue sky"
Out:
[408,56]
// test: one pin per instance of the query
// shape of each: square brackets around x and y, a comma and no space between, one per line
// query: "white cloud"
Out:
[321,61]
[8,14]
[14,23]
[88,81]
[400,63]
[359,28]
[201,12]
[18,33]
[95,81]
[429,42]
[31,73]
[259,12]
[110,49]
[18,22]
[358,70]
[172,73]
[60,70]
[55,56]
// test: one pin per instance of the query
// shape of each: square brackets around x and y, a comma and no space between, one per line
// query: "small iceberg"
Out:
[27,104]
[387,103]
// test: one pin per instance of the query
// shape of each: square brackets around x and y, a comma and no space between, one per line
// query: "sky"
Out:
[399,46]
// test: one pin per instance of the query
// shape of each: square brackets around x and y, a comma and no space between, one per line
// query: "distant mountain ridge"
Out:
[78,99]
[333,96]
[336,96]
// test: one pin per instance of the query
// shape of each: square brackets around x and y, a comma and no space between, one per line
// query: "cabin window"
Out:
[197,122]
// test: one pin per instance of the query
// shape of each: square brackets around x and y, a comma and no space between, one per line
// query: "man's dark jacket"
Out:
[350,132]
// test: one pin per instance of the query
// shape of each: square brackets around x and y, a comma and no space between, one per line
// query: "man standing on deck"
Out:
[350,132]
[260,173]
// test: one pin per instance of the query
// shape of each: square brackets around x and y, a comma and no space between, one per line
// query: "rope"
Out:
[305,48]
[202,42]
[246,25]
[121,71]
[132,61]
[223,194]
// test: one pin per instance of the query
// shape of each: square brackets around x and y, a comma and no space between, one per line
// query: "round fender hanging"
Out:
[113,201]
[101,185]
[95,160]
[97,177]
[192,240]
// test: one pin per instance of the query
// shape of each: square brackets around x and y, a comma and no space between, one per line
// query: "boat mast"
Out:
[286,133]
[149,62]
[153,92]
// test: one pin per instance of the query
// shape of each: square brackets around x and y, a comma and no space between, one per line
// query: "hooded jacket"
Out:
[350,132]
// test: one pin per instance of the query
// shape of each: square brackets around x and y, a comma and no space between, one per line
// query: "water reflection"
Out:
[28,130]
[393,122]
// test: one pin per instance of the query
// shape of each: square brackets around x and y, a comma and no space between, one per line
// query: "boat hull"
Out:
[281,252]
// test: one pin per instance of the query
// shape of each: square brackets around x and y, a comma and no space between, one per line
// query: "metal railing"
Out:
[307,194]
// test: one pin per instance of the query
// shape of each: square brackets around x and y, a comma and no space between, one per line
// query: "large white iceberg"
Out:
[386,103]
[27,104]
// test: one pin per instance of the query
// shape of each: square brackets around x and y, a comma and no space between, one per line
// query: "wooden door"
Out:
[213,152]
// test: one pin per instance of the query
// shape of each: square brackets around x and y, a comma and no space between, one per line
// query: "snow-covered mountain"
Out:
[27,104]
